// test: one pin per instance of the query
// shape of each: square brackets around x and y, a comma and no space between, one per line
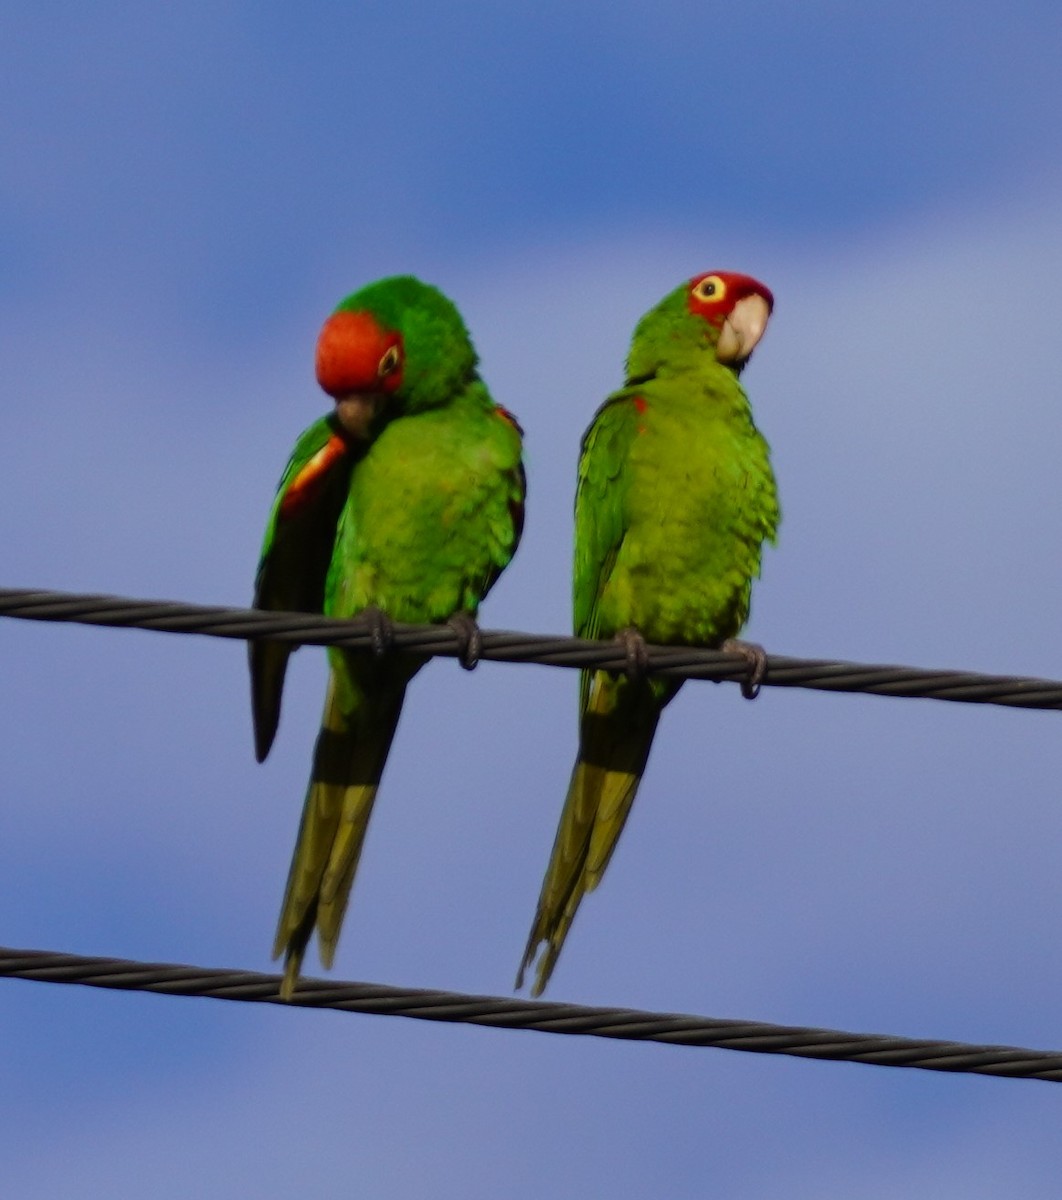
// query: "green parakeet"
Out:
[675,499]
[404,503]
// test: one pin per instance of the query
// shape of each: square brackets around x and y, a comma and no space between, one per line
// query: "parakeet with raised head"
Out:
[404,503]
[675,499]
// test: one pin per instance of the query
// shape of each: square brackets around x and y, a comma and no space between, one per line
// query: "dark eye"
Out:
[710,288]
[389,363]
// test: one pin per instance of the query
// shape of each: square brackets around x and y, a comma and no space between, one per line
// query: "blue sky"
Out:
[184,194]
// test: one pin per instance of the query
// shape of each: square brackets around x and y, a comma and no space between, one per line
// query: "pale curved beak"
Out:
[357,411]
[742,329]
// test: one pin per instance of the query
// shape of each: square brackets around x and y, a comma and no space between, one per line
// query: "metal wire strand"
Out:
[679,662]
[680,1029]
[500,646]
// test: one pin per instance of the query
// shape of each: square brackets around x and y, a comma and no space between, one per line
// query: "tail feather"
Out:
[616,732]
[269,664]
[350,836]
[348,761]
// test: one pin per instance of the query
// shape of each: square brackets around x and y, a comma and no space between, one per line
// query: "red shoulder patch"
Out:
[641,407]
[307,484]
[508,417]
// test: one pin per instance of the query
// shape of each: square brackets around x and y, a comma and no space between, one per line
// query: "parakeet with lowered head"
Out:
[675,499]
[404,503]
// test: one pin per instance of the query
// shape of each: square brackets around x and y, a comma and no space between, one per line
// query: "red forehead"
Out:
[349,348]
[735,287]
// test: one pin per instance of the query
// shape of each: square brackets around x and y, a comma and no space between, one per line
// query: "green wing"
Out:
[296,552]
[600,503]
[507,526]
[499,506]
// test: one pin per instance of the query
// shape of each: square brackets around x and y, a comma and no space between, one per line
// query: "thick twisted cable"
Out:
[173,979]
[500,646]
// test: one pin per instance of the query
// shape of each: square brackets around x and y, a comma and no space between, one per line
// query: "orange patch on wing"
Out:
[306,486]
[641,406]
[509,419]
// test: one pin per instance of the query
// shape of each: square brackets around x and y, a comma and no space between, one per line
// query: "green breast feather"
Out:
[675,498]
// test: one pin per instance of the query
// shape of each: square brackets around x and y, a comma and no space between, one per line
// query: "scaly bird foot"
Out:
[469,639]
[755,655]
[381,629]
[636,651]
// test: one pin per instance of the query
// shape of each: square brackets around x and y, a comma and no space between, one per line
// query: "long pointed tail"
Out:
[348,761]
[616,732]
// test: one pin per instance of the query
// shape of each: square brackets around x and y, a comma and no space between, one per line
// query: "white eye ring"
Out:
[389,363]
[712,287]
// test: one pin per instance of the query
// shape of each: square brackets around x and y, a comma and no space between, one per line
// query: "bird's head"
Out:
[737,306]
[722,311]
[395,346]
